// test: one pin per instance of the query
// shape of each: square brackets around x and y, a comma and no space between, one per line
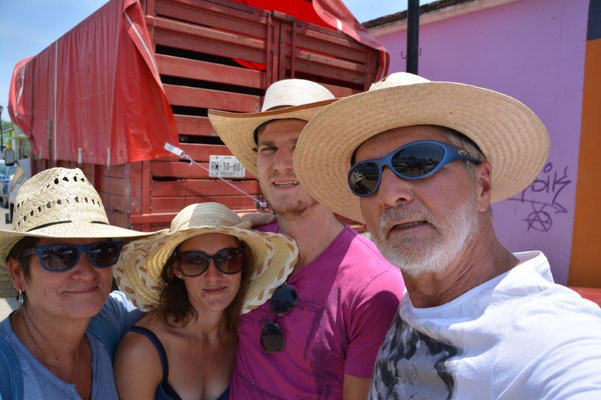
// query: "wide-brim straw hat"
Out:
[511,137]
[56,203]
[285,99]
[272,255]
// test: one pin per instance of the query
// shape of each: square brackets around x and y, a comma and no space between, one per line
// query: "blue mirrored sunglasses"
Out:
[63,257]
[416,160]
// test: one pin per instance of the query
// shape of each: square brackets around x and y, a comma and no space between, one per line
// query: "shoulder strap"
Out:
[159,346]
[11,379]
[100,327]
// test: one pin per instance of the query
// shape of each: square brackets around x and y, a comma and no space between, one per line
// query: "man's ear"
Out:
[483,182]
[16,273]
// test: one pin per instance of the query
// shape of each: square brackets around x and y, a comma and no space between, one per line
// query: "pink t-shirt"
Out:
[347,298]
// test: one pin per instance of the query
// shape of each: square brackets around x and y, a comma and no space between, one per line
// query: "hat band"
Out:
[61,222]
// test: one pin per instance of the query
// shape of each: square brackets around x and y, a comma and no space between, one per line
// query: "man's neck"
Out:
[313,231]
[481,260]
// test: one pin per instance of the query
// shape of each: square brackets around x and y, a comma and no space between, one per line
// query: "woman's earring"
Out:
[20,297]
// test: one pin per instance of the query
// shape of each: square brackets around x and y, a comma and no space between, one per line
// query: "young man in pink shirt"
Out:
[317,338]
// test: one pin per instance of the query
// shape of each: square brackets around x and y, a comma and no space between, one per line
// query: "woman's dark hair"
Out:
[174,304]
[15,253]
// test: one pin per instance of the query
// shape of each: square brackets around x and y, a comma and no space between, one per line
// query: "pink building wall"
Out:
[534,51]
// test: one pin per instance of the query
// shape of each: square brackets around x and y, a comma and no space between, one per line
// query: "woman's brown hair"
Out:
[175,307]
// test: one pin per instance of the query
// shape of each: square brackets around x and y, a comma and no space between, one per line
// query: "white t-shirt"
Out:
[517,336]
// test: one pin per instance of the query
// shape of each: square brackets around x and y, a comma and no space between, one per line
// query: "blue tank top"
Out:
[164,390]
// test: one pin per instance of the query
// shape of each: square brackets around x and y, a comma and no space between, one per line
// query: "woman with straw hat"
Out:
[59,255]
[195,279]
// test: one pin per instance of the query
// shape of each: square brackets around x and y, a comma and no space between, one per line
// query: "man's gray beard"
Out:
[459,230]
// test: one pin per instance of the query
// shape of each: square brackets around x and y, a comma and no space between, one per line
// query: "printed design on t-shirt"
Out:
[412,365]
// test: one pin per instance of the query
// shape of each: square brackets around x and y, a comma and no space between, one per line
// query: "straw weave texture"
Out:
[510,135]
[273,256]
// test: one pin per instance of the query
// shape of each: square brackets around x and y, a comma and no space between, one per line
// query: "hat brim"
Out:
[237,130]
[139,273]
[510,135]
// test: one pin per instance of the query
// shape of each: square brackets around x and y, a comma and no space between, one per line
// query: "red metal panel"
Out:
[182,169]
[207,71]
[205,40]
[175,204]
[201,188]
[207,98]
[308,66]
[118,202]
[116,186]
[191,125]
[592,294]
[219,18]
[338,91]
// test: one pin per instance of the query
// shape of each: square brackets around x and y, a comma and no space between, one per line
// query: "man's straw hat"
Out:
[272,259]
[56,203]
[285,99]
[510,135]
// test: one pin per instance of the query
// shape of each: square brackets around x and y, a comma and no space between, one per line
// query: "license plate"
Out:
[225,167]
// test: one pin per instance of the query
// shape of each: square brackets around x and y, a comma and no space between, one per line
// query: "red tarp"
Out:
[331,14]
[96,88]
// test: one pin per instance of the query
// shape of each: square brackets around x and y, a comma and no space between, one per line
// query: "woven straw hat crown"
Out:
[56,195]
[294,92]
[205,214]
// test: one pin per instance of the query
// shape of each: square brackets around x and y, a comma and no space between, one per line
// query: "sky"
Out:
[29,26]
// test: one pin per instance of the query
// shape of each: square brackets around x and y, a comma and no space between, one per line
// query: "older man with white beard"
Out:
[479,322]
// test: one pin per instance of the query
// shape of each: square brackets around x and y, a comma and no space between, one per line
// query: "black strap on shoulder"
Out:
[11,378]
[157,344]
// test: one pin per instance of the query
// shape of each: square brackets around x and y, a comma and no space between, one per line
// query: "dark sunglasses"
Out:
[194,263]
[416,160]
[63,257]
[282,301]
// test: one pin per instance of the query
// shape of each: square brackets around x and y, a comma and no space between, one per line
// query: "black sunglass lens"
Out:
[364,177]
[283,300]
[104,254]
[193,263]
[230,261]
[59,258]
[417,160]
[272,338]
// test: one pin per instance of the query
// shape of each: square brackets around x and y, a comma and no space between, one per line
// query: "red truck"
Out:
[138,73]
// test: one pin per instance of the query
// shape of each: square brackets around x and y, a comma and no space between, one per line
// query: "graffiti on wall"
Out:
[542,198]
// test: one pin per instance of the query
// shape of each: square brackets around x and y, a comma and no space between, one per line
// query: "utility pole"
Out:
[412,35]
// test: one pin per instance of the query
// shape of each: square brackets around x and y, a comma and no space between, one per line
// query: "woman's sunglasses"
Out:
[63,257]
[194,263]
[416,160]
[282,301]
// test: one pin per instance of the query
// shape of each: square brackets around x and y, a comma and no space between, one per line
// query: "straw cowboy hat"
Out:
[273,256]
[56,203]
[508,133]
[285,99]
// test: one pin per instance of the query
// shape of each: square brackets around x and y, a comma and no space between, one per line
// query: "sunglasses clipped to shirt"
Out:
[282,301]
[194,263]
[63,257]
[416,160]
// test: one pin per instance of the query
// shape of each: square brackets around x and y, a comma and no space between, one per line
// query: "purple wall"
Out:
[532,50]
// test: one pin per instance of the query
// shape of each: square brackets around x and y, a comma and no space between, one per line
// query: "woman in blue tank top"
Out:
[195,280]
